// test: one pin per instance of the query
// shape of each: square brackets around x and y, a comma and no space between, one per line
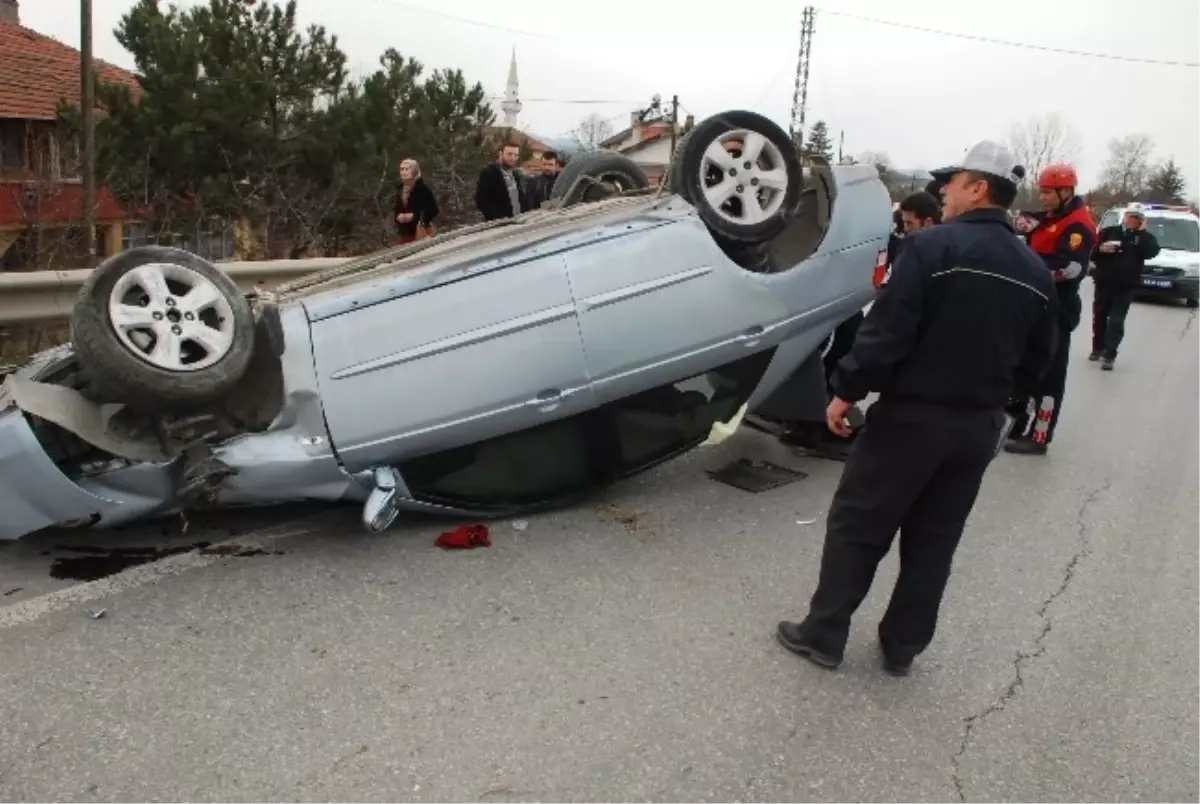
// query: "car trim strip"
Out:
[642,288]
[464,339]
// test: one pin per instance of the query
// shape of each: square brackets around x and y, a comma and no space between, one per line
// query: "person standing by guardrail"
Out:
[416,206]
[967,319]
[498,193]
[1120,256]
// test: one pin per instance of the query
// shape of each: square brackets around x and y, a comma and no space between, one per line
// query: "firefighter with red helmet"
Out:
[1063,236]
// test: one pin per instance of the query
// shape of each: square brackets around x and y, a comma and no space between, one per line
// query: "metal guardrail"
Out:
[47,296]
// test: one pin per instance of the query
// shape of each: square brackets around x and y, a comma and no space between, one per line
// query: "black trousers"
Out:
[1110,306]
[915,469]
[1052,385]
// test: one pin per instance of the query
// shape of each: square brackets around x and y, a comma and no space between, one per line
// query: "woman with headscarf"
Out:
[416,208]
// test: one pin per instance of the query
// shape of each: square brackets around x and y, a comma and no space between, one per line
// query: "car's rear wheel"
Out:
[743,175]
[597,175]
[162,329]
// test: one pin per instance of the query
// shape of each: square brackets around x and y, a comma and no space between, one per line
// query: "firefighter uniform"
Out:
[968,315]
[1064,239]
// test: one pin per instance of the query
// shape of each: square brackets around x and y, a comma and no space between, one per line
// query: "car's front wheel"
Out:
[162,329]
[743,175]
[597,175]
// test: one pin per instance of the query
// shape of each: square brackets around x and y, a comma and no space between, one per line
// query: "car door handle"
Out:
[549,400]
[750,337]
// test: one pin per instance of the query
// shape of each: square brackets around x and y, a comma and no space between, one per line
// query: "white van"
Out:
[1175,272]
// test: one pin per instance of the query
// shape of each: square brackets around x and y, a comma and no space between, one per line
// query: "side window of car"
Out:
[560,459]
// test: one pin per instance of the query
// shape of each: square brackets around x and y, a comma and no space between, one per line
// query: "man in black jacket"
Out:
[967,320]
[498,194]
[1121,254]
[538,187]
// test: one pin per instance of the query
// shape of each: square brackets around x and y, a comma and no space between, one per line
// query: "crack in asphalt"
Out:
[1187,324]
[1024,657]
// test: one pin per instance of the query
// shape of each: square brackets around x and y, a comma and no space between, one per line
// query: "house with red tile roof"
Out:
[41,194]
[648,143]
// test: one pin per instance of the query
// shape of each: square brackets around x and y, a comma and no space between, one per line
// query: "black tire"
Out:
[119,374]
[685,177]
[1192,303]
[597,175]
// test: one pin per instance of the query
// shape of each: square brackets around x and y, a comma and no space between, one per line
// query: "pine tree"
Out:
[818,141]
[1166,185]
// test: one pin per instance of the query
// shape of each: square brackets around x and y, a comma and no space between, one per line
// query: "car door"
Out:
[452,364]
[659,305]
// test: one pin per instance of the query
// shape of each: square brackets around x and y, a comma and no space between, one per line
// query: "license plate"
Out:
[1156,283]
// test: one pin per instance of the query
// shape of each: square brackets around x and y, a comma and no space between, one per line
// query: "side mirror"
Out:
[381,508]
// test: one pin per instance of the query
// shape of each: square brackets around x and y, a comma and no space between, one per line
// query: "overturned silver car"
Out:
[490,370]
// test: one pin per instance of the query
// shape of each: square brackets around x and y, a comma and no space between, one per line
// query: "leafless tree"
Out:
[1038,142]
[1127,170]
[592,131]
[1042,141]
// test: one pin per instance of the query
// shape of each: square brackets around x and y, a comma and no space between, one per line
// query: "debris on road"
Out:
[806,521]
[631,520]
[520,524]
[13,591]
[466,537]
[755,476]
[96,615]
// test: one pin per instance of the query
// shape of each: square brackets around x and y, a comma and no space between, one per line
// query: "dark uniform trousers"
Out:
[916,468]
[1110,306]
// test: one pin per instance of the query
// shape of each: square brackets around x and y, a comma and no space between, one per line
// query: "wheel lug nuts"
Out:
[733,171]
[188,316]
[747,166]
[754,182]
[158,316]
[170,302]
[178,330]
[741,189]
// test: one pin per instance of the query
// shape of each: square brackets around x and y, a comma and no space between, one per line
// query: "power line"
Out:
[466,20]
[610,102]
[1010,43]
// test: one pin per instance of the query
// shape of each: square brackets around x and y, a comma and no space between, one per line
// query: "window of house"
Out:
[13,154]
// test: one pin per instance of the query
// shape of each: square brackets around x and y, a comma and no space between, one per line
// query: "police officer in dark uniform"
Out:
[966,321]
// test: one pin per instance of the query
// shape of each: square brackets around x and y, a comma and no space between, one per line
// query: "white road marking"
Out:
[29,610]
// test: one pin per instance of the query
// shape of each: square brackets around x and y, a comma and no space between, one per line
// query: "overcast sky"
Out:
[922,97]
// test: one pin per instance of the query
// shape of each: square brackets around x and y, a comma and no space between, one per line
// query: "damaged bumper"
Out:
[34,493]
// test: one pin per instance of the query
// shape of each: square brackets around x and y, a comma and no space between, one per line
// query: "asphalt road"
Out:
[625,650]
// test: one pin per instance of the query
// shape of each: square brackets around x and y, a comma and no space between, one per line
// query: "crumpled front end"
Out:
[34,493]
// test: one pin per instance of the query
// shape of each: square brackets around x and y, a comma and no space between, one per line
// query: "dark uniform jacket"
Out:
[967,320]
[1122,269]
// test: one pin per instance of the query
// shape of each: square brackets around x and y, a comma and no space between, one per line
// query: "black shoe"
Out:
[1107,365]
[1095,355]
[1025,446]
[894,666]
[791,637]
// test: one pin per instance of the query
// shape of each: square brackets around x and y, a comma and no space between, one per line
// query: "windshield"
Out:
[1176,234]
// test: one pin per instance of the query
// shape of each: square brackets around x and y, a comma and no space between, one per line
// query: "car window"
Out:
[561,459]
[1111,218]
[1177,234]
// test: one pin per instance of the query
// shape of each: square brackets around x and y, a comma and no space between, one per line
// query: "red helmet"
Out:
[1058,177]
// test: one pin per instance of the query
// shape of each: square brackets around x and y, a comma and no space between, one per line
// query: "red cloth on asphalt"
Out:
[466,537]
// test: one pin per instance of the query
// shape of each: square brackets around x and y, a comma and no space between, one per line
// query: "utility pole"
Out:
[841,142]
[800,94]
[674,123]
[88,104]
